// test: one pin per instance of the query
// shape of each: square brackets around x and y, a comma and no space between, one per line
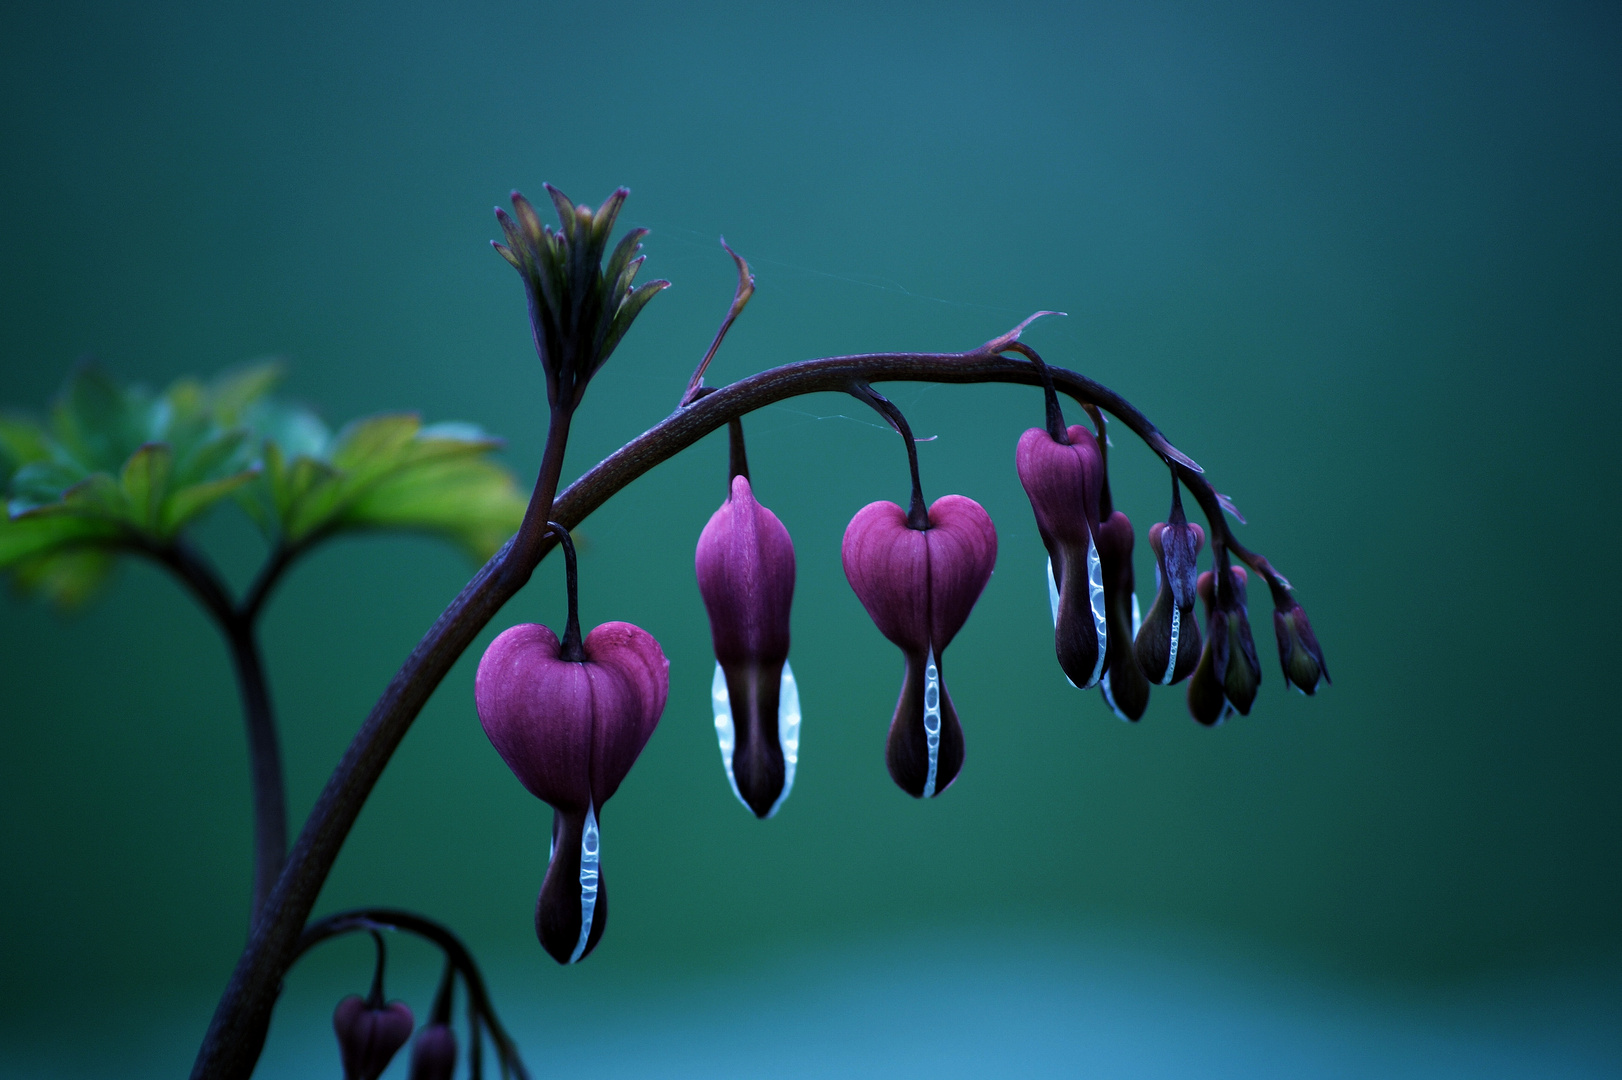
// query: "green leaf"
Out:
[41,483]
[469,500]
[67,578]
[28,537]
[235,391]
[22,441]
[145,480]
[186,503]
[99,423]
[371,446]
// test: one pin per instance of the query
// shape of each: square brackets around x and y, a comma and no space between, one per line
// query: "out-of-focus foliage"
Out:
[117,467]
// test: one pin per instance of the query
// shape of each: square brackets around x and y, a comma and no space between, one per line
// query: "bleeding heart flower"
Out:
[1063,482]
[569,719]
[918,585]
[745,566]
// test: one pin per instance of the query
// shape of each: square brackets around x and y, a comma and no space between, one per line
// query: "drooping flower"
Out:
[1298,650]
[919,585]
[1063,481]
[569,719]
[1228,674]
[1168,642]
[433,1055]
[370,1033]
[745,567]
[1124,686]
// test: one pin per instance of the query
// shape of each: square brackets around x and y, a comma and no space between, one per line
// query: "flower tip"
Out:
[369,1037]
[433,1055]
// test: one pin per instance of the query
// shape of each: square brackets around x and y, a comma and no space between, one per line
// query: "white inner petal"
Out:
[725,733]
[788,731]
[589,843]
[1137,617]
[1176,630]
[1095,586]
[932,719]
[1109,698]
[1053,602]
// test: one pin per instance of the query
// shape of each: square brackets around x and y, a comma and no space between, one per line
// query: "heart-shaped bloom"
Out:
[570,731]
[369,1034]
[1229,673]
[1063,482]
[745,566]
[919,585]
[1125,689]
[1168,642]
[1298,650]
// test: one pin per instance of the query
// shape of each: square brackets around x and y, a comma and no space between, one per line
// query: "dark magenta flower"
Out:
[1298,650]
[1168,642]
[433,1055]
[569,718]
[1124,686]
[370,1033]
[1063,482]
[1228,674]
[745,567]
[919,585]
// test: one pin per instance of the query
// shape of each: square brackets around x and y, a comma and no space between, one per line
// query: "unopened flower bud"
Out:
[1168,642]
[745,566]
[1298,650]
[370,1034]
[433,1055]
[1123,685]
[918,585]
[1229,673]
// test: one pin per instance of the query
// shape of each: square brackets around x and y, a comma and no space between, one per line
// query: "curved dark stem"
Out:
[1106,505]
[236,625]
[281,557]
[236,1033]
[441,1013]
[1058,431]
[374,1000]
[264,761]
[456,955]
[570,648]
[737,458]
[918,513]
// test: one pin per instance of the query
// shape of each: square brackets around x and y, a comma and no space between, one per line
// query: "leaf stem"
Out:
[236,626]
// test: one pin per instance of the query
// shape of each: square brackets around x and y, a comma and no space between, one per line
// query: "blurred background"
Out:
[1360,261]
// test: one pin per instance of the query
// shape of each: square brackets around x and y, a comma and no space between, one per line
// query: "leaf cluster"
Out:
[579,307]
[116,468]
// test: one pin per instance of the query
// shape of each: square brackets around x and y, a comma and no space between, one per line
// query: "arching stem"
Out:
[918,512]
[570,649]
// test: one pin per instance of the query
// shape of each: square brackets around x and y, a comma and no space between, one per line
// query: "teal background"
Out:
[1361,261]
